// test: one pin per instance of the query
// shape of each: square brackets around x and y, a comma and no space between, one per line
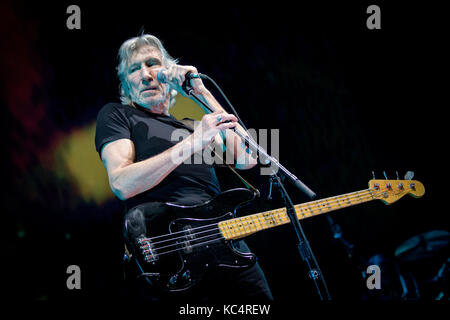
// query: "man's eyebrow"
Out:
[154,61]
[151,60]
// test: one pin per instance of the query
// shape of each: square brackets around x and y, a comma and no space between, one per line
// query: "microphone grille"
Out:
[161,77]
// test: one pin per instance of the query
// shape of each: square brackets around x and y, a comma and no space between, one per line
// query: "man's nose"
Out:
[147,75]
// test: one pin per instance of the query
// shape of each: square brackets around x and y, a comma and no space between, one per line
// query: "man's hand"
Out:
[210,126]
[175,76]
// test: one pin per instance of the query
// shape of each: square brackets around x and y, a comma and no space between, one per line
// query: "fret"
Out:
[323,204]
[318,206]
[275,217]
[329,207]
[250,223]
[301,211]
[305,212]
[259,219]
[314,209]
[359,197]
[228,229]
[285,217]
[224,229]
[268,217]
[310,210]
[348,199]
[246,225]
[337,201]
[280,218]
[253,223]
[232,227]
[240,225]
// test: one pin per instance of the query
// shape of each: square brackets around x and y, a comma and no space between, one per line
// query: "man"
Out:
[144,164]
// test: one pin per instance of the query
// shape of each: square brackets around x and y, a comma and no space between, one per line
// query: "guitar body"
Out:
[174,246]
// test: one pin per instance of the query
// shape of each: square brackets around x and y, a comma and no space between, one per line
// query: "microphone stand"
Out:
[303,246]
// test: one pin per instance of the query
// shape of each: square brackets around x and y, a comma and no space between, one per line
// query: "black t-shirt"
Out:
[151,134]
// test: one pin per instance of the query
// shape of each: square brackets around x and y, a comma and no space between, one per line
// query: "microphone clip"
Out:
[186,86]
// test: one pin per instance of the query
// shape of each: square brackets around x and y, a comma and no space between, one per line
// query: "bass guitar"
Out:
[195,243]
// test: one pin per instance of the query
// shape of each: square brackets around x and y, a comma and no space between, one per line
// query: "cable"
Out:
[226,99]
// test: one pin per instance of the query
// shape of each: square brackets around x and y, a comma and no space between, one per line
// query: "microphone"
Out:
[162,78]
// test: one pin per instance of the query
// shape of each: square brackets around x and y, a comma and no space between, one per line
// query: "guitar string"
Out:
[363,197]
[215,227]
[219,234]
[220,237]
[355,194]
[334,199]
[182,231]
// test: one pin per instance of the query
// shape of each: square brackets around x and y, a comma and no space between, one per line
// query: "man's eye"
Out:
[152,62]
[133,69]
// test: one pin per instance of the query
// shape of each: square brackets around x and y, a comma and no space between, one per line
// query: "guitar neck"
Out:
[238,228]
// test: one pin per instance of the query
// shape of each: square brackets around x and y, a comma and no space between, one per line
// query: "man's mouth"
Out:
[151,89]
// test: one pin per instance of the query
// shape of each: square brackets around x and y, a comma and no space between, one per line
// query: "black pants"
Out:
[218,286]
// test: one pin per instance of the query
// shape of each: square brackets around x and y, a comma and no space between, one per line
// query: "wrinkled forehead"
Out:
[145,53]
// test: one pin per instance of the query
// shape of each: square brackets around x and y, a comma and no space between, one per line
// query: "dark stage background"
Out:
[347,100]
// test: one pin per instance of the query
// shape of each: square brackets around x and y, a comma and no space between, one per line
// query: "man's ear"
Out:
[124,89]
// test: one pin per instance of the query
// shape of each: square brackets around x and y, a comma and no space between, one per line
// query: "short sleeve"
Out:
[112,124]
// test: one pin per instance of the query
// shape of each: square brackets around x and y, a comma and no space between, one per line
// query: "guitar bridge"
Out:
[147,250]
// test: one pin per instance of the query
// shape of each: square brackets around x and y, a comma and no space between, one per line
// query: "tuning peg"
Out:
[409,175]
[400,185]
[384,173]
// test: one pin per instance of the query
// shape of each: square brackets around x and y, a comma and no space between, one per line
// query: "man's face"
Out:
[144,87]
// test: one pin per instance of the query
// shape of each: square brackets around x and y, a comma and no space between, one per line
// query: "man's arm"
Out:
[128,178]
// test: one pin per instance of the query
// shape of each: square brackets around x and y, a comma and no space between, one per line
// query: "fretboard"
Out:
[244,226]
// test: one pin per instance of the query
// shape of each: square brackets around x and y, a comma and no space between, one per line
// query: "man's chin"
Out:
[151,102]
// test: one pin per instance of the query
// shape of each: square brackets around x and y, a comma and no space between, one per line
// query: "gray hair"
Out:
[126,51]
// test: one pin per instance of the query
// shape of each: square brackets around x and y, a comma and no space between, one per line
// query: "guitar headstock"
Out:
[390,191]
